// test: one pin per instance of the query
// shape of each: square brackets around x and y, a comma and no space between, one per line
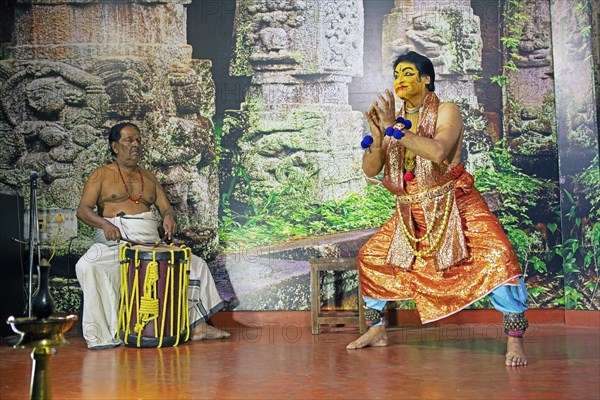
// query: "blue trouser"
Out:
[505,298]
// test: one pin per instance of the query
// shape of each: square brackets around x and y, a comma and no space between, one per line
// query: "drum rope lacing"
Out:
[147,307]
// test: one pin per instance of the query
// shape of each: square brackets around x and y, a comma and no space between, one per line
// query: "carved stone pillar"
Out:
[448,33]
[295,124]
[529,116]
[575,57]
[78,67]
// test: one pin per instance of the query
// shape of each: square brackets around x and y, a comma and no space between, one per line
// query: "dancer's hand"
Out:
[376,131]
[386,112]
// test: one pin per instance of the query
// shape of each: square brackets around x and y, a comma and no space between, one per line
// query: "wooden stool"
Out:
[317,317]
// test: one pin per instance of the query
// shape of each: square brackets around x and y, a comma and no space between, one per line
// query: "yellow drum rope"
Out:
[168,291]
[148,305]
[184,281]
[173,329]
[135,292]
[124,318]
[127,302]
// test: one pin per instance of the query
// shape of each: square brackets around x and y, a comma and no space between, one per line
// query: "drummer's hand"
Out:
[170,226]
[111,232]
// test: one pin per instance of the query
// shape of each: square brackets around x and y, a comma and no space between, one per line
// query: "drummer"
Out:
[116,200]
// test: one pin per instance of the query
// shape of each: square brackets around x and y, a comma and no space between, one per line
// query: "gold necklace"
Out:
[434,241]
[409,161]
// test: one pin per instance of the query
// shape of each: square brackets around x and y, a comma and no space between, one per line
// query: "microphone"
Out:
[33,177]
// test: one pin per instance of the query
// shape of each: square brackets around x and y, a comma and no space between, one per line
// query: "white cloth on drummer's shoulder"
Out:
[99,276]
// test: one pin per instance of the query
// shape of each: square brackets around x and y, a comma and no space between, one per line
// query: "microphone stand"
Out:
[33,242]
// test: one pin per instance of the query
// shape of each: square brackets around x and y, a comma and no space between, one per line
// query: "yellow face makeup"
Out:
[407,82]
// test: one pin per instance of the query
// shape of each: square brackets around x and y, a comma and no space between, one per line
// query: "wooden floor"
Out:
[285,361]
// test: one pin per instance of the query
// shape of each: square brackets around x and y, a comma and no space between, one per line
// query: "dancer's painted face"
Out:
[407,81]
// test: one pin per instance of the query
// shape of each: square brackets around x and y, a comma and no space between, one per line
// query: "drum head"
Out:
[163,252]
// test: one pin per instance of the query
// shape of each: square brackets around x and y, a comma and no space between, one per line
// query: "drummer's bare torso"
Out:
[113,198]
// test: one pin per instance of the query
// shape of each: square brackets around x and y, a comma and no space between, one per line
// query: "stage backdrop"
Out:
[251,114]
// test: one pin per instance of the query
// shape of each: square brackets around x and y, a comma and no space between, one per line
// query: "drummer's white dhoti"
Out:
[99,277]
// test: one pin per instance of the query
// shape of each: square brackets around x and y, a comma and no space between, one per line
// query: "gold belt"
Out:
[431,193]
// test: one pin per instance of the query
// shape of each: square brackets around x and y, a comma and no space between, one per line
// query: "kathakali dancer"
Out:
[443,247]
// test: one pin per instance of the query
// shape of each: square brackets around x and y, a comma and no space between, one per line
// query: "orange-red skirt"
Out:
[491,260]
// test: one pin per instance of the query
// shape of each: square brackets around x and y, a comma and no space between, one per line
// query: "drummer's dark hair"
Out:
[114,134]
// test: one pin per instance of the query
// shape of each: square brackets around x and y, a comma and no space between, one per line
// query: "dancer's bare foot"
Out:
[515,352]
[375,337]
[206,331]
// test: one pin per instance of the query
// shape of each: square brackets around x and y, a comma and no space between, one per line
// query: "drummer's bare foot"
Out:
[206,331]
[515,352]
[375,337]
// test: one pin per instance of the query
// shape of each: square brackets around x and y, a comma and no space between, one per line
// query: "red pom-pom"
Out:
[408,176]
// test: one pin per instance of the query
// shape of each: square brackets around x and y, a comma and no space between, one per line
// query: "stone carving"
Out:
[266,30]
[295,153]
[192,88]
[477,143]
[49,104]
[92,64]
[126,82]
[309,36]
[578,127]
[447,32]
[183,152]
[340,20]
[52,91]
[296,127]
[530,127]
[535,46]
